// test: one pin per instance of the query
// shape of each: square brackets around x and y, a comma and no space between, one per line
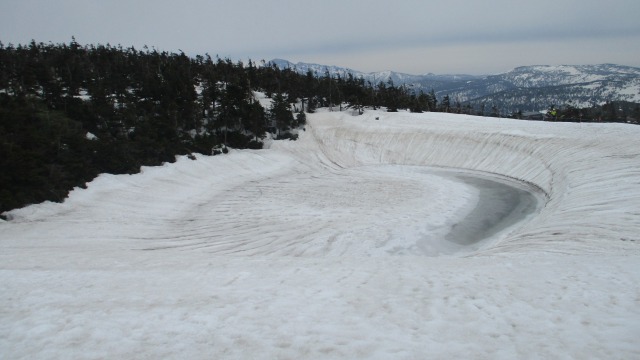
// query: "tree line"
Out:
[69,112]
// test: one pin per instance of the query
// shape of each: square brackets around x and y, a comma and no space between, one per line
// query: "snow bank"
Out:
[588,172]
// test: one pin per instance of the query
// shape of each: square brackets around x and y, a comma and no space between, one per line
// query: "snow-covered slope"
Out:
[576,165]
[308,250]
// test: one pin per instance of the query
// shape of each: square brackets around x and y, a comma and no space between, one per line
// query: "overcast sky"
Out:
[411,36]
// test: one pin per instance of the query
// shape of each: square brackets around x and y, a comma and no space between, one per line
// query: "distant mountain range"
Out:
[525,88]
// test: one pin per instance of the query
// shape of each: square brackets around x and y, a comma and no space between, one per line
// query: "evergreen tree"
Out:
[432,101]
[280,114]
[445,106]
[301,119]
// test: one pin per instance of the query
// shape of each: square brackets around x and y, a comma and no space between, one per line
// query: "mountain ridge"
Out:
[524,88]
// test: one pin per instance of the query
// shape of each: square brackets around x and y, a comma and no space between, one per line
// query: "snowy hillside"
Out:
[339,245]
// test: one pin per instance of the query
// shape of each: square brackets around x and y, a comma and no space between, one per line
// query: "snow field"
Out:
[301,307]
[316,249]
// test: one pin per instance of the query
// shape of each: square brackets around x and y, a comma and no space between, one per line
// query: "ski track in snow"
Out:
[332,247]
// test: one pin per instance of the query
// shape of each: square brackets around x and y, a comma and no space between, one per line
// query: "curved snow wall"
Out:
[589,173]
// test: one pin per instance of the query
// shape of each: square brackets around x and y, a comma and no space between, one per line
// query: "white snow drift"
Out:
[335,246]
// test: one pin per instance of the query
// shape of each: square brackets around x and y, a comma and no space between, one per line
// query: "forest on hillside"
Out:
[69,112]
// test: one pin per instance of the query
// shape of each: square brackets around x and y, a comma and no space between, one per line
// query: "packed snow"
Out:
[347,243]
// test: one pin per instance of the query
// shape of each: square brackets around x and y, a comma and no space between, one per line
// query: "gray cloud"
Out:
[366,33]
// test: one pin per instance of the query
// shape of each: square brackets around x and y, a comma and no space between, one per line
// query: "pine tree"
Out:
[445,105]
[280,114]
[432,101]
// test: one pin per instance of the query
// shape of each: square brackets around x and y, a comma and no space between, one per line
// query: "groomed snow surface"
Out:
[341,245]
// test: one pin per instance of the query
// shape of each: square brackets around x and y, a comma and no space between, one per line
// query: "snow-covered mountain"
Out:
[525,88]
[539,86]
[545,75]
[374,77]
